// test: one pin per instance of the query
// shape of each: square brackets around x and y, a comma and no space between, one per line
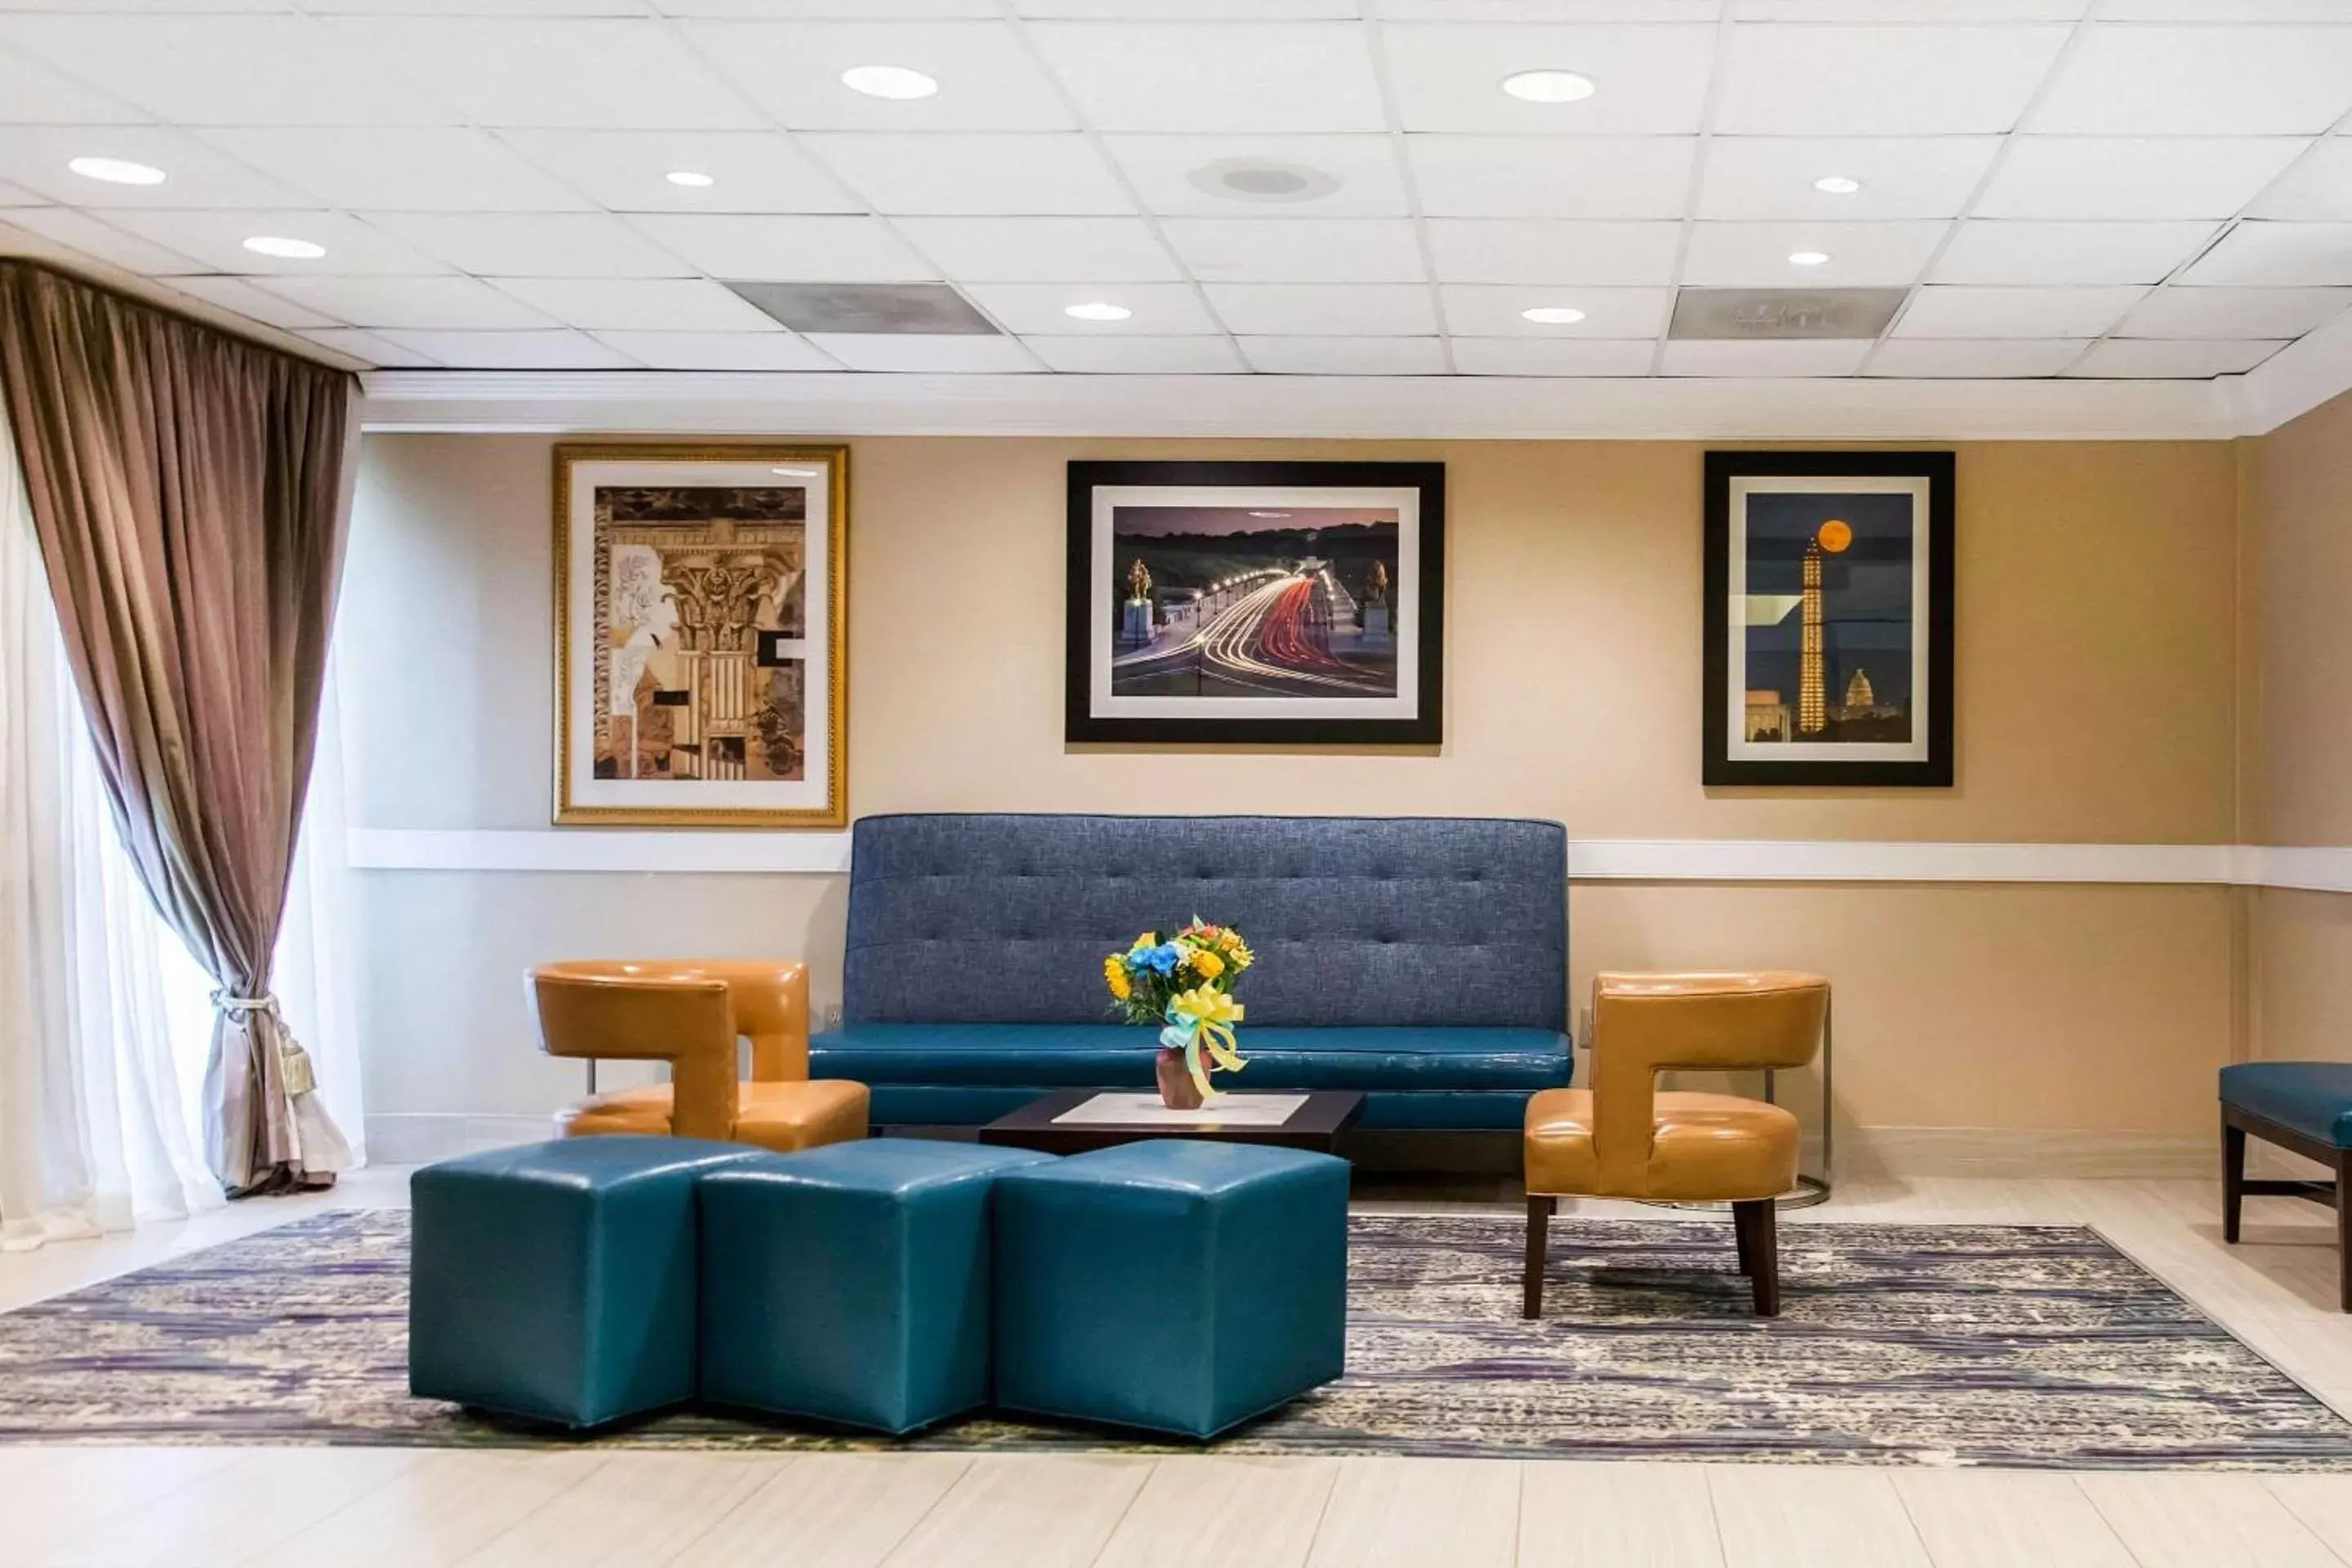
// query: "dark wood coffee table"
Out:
[1316,1125]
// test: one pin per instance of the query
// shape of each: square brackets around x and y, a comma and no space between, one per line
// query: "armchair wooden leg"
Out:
[1540,1212]
[2344,1230]
[1756,1223]
[1741,1236]
[2233,1179]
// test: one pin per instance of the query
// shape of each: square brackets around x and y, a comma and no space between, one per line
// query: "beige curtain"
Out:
[187,488]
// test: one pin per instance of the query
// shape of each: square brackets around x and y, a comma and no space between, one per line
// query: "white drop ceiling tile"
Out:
[33,94]
[1285,310]
[2009,251]
[400,169]
[2157,80]
[534,245]
[1507,251]
[1546,10]
[1819,356]
[792,69]
[238,294]
[1042,249]
[835,10]
[1161,168]
[1991,360]
[195,174]
[2167,359]
[2089,177]
[1551,356]
[1860,254]
[627,170]
[2317,189]
[514,351]
[1801,80]
[217,239]
[1552,176]
[1648,79]
[2277,253]
[1909,10]
[1345,356]
[229,69]
[146,5]
[1210,78]
[747,246]
[2192,313]
[1161,309]
[1766,177]
[1298,250]
[1951,310]
[596,73]
[640,304]
[719,350]
[1137,356]
[420,304]
[2222,11]
[478,7]
[103,240]
[380,352]
[919,352]
[18,197]
[969,173]
[1493,310]
[1192,10]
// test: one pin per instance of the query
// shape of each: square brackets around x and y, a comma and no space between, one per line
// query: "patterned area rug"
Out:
[2036,1346]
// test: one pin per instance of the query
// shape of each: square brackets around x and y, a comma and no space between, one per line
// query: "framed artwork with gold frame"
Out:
[701,673]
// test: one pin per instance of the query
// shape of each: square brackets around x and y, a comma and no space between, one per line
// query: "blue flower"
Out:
[1163,959]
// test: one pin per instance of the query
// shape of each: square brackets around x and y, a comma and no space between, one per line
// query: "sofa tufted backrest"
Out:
[1355,921]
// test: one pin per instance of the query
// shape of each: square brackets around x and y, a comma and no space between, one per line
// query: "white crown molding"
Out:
[1375,407]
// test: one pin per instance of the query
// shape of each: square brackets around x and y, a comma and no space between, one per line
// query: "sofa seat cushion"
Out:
[1109,1056]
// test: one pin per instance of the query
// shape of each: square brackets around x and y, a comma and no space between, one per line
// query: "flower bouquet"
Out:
[1185,985]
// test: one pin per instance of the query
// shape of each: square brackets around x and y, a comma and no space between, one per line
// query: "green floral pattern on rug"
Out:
[1899,1344]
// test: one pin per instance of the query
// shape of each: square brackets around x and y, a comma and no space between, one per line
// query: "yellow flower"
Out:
[1115,975]
[1206,964]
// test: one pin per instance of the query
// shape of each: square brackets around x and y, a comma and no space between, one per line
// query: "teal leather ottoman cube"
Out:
[1178,1285]
[556,1281]
[850,1283]
[2303,1106]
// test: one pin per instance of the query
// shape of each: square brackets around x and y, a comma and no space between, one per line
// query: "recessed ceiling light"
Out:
[1097,310]
[692,179]
[1808,257]
[116,171]
[1837,184]
[889,81]
[288,249]
[1548,87]
[1553,315]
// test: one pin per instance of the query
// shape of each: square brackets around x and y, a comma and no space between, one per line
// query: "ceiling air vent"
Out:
[1779,315]
[880,309]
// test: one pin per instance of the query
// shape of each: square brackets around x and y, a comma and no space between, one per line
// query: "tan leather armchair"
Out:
[1622,1139]
[691,1013]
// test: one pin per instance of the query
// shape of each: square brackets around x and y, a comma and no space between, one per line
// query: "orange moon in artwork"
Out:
[1836,535]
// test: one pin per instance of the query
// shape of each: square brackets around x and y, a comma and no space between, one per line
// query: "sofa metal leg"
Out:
[1756,1223]
[2233,1178]
[1540,1212]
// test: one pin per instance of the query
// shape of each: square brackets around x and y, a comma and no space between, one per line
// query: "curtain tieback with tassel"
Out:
[294,1068]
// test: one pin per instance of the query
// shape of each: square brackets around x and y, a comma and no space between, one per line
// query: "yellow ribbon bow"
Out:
[1198,1020]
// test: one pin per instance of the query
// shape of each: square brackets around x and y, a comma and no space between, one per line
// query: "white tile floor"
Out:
[385,1507]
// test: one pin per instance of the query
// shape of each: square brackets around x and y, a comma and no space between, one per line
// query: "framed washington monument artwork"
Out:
[1829,619]
[1282,603]
[698,622]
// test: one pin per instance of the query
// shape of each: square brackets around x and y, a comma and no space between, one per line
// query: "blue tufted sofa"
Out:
[1421,960]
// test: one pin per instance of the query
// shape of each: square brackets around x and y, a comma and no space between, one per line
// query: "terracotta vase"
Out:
[1177,1090]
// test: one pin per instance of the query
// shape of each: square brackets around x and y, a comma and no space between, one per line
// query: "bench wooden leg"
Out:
[2233,1179]
[1755,1221]
[1540,1212]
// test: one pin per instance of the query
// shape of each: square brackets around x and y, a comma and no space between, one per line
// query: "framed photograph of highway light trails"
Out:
[698,622]
[1282,603]
[1829,619]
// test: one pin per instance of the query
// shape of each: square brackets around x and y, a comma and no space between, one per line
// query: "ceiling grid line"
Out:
[1718,52]
[1376,43]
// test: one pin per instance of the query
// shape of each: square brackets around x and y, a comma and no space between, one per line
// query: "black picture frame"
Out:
[1718,765]
[1424,726]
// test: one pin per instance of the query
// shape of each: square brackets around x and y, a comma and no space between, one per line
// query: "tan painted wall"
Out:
[2097,701]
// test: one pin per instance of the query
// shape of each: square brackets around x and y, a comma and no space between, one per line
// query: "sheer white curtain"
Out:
[105,1021]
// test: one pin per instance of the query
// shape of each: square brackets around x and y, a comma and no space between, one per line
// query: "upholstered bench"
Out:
[851,1284]
[2303,1106]
[1177,1286]
[556,1281]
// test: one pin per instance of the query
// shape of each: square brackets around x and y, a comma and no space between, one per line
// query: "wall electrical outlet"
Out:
[832,1015]
[1584,1029]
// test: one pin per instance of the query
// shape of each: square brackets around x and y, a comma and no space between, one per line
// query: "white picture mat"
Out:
[1734,717]
[700,794]
[1406,501]
[1145,1109]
